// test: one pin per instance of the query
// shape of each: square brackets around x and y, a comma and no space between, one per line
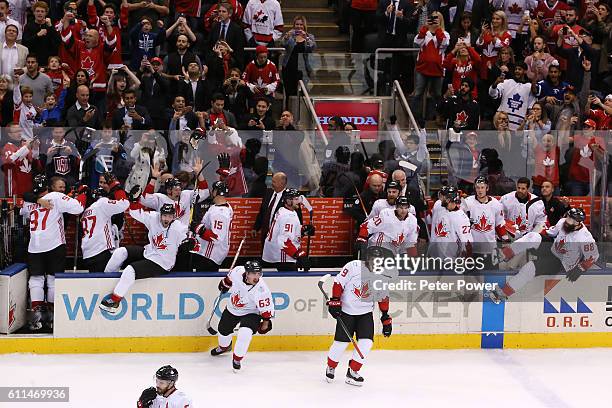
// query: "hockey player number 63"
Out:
[85,224]
[34,216]
[264,302]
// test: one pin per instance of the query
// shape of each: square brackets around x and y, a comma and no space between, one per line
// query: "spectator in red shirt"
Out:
[261,76]
[547,155]
[602,116]
[463,62]
[432,41]
[492,39]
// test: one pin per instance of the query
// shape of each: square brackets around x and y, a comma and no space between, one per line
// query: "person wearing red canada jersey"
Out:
[394,228]
[487,218]
[97,240]
[548,10]
[261,76]
[101,23]
[77,27]
[174,193]
[47,246]
[164,394]
[450,235]
[570,22]
[282,247]
[464,62]
[250,305]
[600,112]
[213,233]
[262,22]
[432,41]
[92,54]
[19,154]
[352,302]
[492,38]
[156,259]
[574,251]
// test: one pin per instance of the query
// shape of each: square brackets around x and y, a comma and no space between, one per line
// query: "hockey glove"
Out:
[308,230]
[224,164]
[224,285]
[147,397]
[386,322]
[573,274]
[207,234]
[134,194]
[334,305]
[265,326]
[187,245]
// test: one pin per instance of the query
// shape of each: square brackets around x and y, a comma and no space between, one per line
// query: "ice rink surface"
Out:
[556,378]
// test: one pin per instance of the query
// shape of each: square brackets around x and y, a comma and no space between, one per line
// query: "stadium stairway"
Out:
[335,71]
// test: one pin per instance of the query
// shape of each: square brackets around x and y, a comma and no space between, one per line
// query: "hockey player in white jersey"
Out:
[573,249]
[250,304]
[521,208]
[282,247]
[155,259]
[213,233]
[395,229]
[47,247]
[174,194]
[164,394]
[487,219]
[451,235]
[394,190]
[352,301]
[435,212]
[97,240]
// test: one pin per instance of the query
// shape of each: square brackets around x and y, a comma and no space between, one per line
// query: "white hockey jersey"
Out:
[515,9]
[97,227]
[573,248]
[182,206]
[47,226]
[358,294]
[163,242]
[526,220]
[485,218]
[247,299]
[178,399]
[285,230]
[383,204]
[263,20]
[451,234]
[218,218]
[516,98]
[389,232]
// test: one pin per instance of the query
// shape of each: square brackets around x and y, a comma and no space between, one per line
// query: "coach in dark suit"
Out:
[270,205]
[197,93]
[230,32]
[139,115]
[394,18]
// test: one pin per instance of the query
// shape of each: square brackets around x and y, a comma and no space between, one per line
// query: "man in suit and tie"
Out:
[195,89]
[12,55]
[229,31]
[131,116]
[270,205]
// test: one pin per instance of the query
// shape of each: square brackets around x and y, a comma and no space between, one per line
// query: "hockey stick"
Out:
[339,318]
[218,299]
[194,200]
[308,207]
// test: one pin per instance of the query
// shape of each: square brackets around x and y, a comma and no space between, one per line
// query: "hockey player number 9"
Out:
[34,215]
[85,225]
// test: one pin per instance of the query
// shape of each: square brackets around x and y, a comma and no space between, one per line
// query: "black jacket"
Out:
[136,125]
[402,25]
[154,90]
[203,93]
[457,109]
[234,37]
[44,46]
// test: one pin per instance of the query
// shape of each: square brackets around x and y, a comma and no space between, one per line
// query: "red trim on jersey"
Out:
[363,231]
[120,195]
[60,221]
[109,244]
[412,251]
[266,315]
[116,298]
[507,289]
[586,264]
[149,189]
[237,358]
[291,250]
[209,249]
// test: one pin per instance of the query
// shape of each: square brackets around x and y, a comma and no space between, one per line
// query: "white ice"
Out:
[556,378]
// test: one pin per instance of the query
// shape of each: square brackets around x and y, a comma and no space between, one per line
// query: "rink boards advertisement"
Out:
[13,287]
[180,306]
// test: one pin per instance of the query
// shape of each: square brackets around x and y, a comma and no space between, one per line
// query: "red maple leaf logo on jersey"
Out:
[362,291]
[179,211]
[440,231]
[87,64]
[236,301]
[519,223]
[159,242]
[483,225]
[560,247]
[515,9]
[462,117]
[399,241]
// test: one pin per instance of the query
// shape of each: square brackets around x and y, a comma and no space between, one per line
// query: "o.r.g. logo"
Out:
[572,317]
